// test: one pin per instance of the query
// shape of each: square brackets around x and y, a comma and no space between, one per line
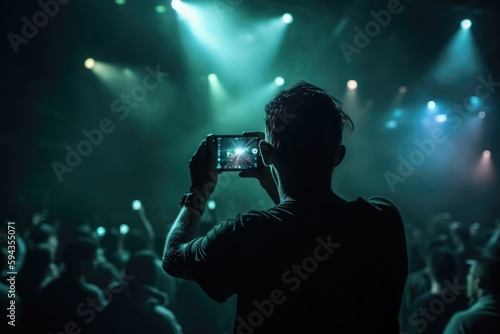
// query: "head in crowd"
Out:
[483,278]
[112,241]
[145,267]
[136,241]
[79,257]
[441,265]
[304,127]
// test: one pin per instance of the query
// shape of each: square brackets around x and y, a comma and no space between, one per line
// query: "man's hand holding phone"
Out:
[202,167]
[263,174]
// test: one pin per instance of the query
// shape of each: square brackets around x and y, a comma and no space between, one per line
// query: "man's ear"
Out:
[340,155]
[267,152]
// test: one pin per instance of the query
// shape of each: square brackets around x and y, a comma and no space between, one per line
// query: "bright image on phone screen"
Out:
[237,153]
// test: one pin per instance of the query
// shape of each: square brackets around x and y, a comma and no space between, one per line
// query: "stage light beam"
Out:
[352,84]
[160,9]
[124,229]
[481,114]
[101,231]
[287,18]
[441,118]
[466,24]
[89,63]
[392,124]
[431,104]
[486,154]
[136,205]
[279,81]
[212,77]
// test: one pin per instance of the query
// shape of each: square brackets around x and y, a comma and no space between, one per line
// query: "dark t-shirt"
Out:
[66,306]
[430,313]
[312,266]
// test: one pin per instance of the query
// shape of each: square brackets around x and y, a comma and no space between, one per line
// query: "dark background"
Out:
[49,97]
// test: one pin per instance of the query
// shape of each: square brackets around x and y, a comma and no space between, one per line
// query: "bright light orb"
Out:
[466,24]
[352,84]
[279,81]
[239,151]
[176,4]
[101,231]
[441,118]
[486,154]
[211,204]
[481,114]
[212,77]
[89,63]
[392,124]
[287,18]
[136,205]
[124,229]
[160,9]
[431,104]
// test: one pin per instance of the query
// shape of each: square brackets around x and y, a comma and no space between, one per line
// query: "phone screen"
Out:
[237,153]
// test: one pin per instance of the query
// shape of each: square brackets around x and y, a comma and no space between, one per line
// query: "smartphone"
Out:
[238,153]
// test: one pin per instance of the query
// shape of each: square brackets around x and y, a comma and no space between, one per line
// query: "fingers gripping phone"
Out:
[238,152]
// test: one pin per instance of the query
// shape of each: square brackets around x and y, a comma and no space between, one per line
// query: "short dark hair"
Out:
[111,240]
[144,267]
[442,265]
[78,251]
[488,269]
[306,116]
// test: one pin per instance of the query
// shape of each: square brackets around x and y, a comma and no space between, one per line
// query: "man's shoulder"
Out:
[378,203]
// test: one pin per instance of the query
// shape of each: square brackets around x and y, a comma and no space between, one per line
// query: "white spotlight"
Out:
[212,77]
[352,84]
[211,204]
[466,24]
[481,114]
[136,205]
[124,229]
[279,81]
[176,4]
[287,18]
[486,154]
[441,118]
[431,104]
[89,63]
[101,231]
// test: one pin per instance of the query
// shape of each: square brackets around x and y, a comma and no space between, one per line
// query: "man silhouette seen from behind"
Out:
[313,263]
